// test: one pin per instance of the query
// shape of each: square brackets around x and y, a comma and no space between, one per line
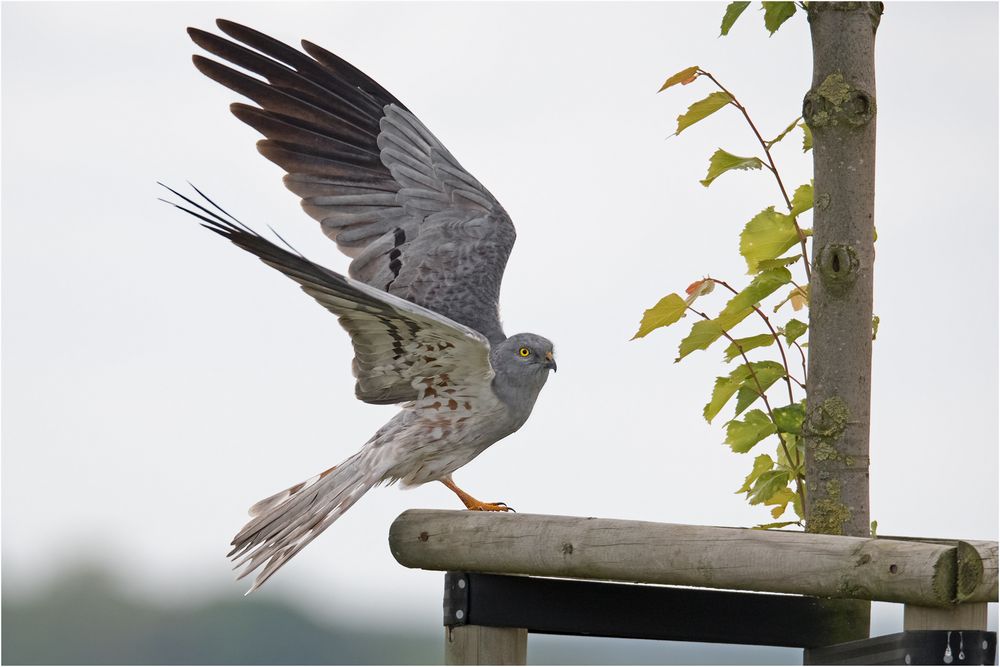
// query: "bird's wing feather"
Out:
[400,348]
[416,224]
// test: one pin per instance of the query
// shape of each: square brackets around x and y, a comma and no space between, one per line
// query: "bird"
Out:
[428,245]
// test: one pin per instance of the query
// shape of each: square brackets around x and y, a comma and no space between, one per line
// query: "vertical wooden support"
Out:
[970,616]
[481,645]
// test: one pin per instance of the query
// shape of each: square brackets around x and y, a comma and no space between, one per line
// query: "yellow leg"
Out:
[473,504]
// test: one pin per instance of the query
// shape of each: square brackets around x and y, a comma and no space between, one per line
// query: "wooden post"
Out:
[970,616]
[479,645]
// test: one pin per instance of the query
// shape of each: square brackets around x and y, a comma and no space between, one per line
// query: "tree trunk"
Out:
[840,111]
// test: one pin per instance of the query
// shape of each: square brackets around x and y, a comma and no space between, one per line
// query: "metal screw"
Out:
[907,659]
[461,583]
[986,644]
[460,614]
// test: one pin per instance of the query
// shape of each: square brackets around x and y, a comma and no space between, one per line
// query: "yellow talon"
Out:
[471,503]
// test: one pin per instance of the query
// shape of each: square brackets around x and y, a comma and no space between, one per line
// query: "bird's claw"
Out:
[490,507]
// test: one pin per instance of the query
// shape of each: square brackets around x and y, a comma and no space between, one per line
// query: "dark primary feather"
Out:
[416,224]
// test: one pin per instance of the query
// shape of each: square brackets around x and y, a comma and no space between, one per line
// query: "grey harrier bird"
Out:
[428,245]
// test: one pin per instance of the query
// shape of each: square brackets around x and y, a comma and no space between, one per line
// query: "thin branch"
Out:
[799,481]
[777,339]
[774,169]
[805,373]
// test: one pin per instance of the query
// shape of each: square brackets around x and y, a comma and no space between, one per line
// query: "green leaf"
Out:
[667,310]
[685,76]
[789,418]
[721,162]
[767,372]
[768,484]
[733,12]
[702,109]
[706,332]
[776,524]
[802,200]
[741,436]
[875,321]
[807,138]
[776,13]
[785,132]
[762,286]
[793,330]
[765,264]
[749,343]
[761,464]
[793,443]
[780,500]
[766,236]
[746,397]
[724,389]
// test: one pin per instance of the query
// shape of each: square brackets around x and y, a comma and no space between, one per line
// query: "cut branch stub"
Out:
[838,267]
[836,102]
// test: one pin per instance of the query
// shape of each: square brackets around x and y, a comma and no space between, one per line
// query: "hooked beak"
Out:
[550,362]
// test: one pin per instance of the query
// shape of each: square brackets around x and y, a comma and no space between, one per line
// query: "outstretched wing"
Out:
[400,348]
[416,224]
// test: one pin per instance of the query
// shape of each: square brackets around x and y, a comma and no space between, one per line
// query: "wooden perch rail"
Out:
[930,574]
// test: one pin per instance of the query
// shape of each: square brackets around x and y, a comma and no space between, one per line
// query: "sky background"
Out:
[156,381]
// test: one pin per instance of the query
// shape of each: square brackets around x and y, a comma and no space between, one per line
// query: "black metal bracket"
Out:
[915,647]
[638,611]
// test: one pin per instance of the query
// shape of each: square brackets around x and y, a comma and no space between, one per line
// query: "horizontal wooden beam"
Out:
[973,556]
[927,574]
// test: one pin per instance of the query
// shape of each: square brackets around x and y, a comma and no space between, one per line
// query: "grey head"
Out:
[522,363]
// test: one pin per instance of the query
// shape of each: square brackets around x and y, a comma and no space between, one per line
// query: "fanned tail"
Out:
[283,524]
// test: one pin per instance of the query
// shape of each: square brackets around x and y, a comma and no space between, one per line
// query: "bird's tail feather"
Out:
[283,524]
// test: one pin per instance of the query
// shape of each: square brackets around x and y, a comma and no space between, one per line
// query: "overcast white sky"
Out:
[157,381]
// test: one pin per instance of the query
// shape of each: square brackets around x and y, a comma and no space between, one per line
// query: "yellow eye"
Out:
[524,352]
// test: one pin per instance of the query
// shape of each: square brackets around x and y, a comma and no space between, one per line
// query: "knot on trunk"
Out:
[837,103]
[838,266]
[827,420]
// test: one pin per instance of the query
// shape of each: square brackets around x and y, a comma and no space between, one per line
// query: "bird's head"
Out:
[524,356]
